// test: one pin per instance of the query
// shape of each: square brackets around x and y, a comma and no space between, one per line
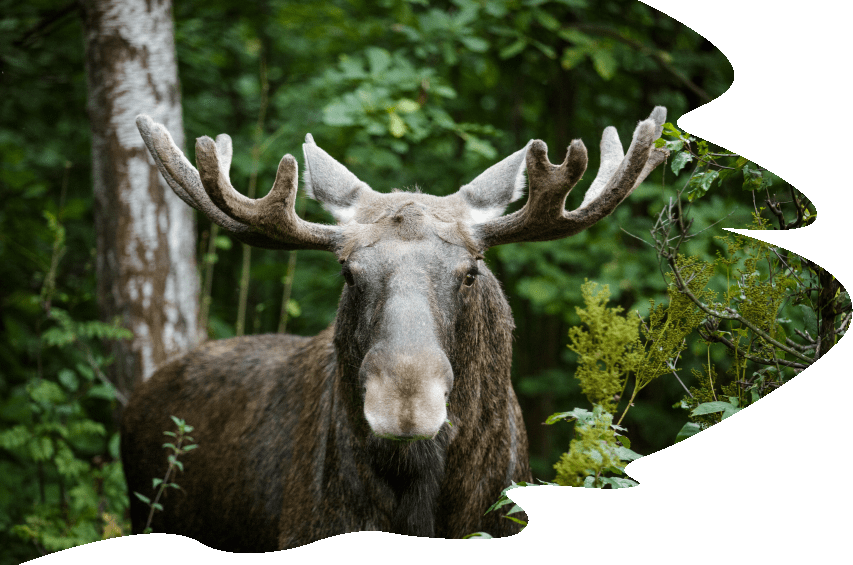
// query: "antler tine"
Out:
[544,218]
[274,215]
[618,176]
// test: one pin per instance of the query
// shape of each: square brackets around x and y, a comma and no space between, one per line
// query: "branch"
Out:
[716,337]
[649,52]
[47,20]
[730,314]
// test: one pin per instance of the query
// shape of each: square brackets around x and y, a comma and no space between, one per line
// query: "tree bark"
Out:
[145,234]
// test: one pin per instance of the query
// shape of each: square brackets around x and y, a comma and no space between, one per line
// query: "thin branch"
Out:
[649,52]
[635,236]
[47,20]
[805,336]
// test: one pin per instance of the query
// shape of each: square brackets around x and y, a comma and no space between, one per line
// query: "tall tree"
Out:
[145,234]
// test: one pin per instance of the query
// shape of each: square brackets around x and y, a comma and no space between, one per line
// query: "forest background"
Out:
[497,85]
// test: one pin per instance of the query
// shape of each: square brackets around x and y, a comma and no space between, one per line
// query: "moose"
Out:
[398,417]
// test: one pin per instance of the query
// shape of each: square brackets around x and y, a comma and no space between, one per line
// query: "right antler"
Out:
[544,218]
[269,222]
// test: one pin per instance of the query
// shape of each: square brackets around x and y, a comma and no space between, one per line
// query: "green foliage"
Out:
[608,350]
[597,449]
[504,500]
[669,326]
[62,483]
[182,444]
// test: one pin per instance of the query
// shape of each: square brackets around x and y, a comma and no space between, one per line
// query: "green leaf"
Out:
[478,535]
[574,36]
[444,91]
[670,130]
[86,371]
[57,336]
[689,429]
[293,308]
[515,510]
[104,391]
[703,181]
[223,242]
[47,392]
[476,145]
[572,57]
[809,319]
[156,482]
[143,498]
[68,378]
[378,59]
[604,63]
[618,482]
[407,106]
[547,21]
[476,44]
[680,160]
[626,454]
[575,414]
[547,50]
[114,445]
[514,519]
[513,49]
[338,114]
[711,408]
[396,125]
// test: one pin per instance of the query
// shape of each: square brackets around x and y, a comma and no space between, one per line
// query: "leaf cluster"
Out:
[183,444]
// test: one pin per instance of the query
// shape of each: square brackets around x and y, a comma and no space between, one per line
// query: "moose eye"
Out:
[470,278]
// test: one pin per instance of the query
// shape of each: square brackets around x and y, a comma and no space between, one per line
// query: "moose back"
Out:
[398,417]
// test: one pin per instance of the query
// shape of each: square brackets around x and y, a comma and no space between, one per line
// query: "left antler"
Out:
[544,217]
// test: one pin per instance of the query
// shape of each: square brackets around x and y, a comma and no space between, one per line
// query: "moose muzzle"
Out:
[405,393]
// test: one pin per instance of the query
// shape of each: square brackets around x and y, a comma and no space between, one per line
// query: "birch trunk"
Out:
[145,234]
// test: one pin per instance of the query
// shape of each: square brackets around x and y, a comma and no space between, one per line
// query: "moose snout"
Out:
[406,394]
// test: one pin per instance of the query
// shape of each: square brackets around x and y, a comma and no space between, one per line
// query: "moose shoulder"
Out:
[400,416]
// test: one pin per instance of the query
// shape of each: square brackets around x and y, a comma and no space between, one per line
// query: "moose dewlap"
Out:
[400,416]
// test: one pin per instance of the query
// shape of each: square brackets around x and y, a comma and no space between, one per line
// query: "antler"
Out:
[270,222]
[544,218]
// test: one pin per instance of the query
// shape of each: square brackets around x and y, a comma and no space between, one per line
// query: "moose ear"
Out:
[489,194]
[330,183]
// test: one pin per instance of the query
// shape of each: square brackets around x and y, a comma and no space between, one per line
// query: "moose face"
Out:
[409,279]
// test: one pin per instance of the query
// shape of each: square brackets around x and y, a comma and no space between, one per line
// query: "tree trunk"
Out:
[145,234]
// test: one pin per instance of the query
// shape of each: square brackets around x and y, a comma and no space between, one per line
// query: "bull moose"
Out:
[400,416]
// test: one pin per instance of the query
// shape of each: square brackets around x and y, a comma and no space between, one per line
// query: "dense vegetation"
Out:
[404,93]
